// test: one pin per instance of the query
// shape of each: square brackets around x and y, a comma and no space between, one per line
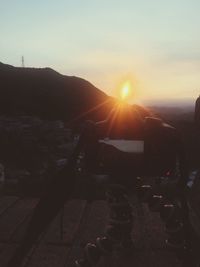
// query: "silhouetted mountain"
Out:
[45,93]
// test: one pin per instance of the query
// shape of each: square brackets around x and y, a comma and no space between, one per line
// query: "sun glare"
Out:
[125,91]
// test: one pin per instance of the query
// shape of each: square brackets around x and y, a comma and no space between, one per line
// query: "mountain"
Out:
[45,93]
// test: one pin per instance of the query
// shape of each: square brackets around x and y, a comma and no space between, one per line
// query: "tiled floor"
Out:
[82,222]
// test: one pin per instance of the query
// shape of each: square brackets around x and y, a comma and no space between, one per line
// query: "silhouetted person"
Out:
[125,145]
[197,126]
[197,113]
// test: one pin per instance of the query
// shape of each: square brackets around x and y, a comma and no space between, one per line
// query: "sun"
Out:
[125,91]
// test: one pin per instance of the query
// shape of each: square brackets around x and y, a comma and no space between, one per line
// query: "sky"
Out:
[154,44]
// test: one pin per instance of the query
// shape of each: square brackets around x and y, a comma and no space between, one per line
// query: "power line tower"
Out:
[23,64]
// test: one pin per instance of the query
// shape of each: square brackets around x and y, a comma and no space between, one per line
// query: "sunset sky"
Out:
[155,44]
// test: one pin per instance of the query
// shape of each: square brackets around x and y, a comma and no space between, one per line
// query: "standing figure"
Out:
[197,113]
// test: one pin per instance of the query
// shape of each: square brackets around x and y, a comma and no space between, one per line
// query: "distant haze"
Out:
[187,103]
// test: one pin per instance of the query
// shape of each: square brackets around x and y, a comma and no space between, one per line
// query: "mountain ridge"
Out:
[48,94]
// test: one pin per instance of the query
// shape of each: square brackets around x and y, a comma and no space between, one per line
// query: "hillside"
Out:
[47,94]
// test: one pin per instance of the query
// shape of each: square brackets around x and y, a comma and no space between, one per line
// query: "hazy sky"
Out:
[156,43]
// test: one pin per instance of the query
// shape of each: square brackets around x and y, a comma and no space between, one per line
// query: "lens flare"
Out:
[125,91]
